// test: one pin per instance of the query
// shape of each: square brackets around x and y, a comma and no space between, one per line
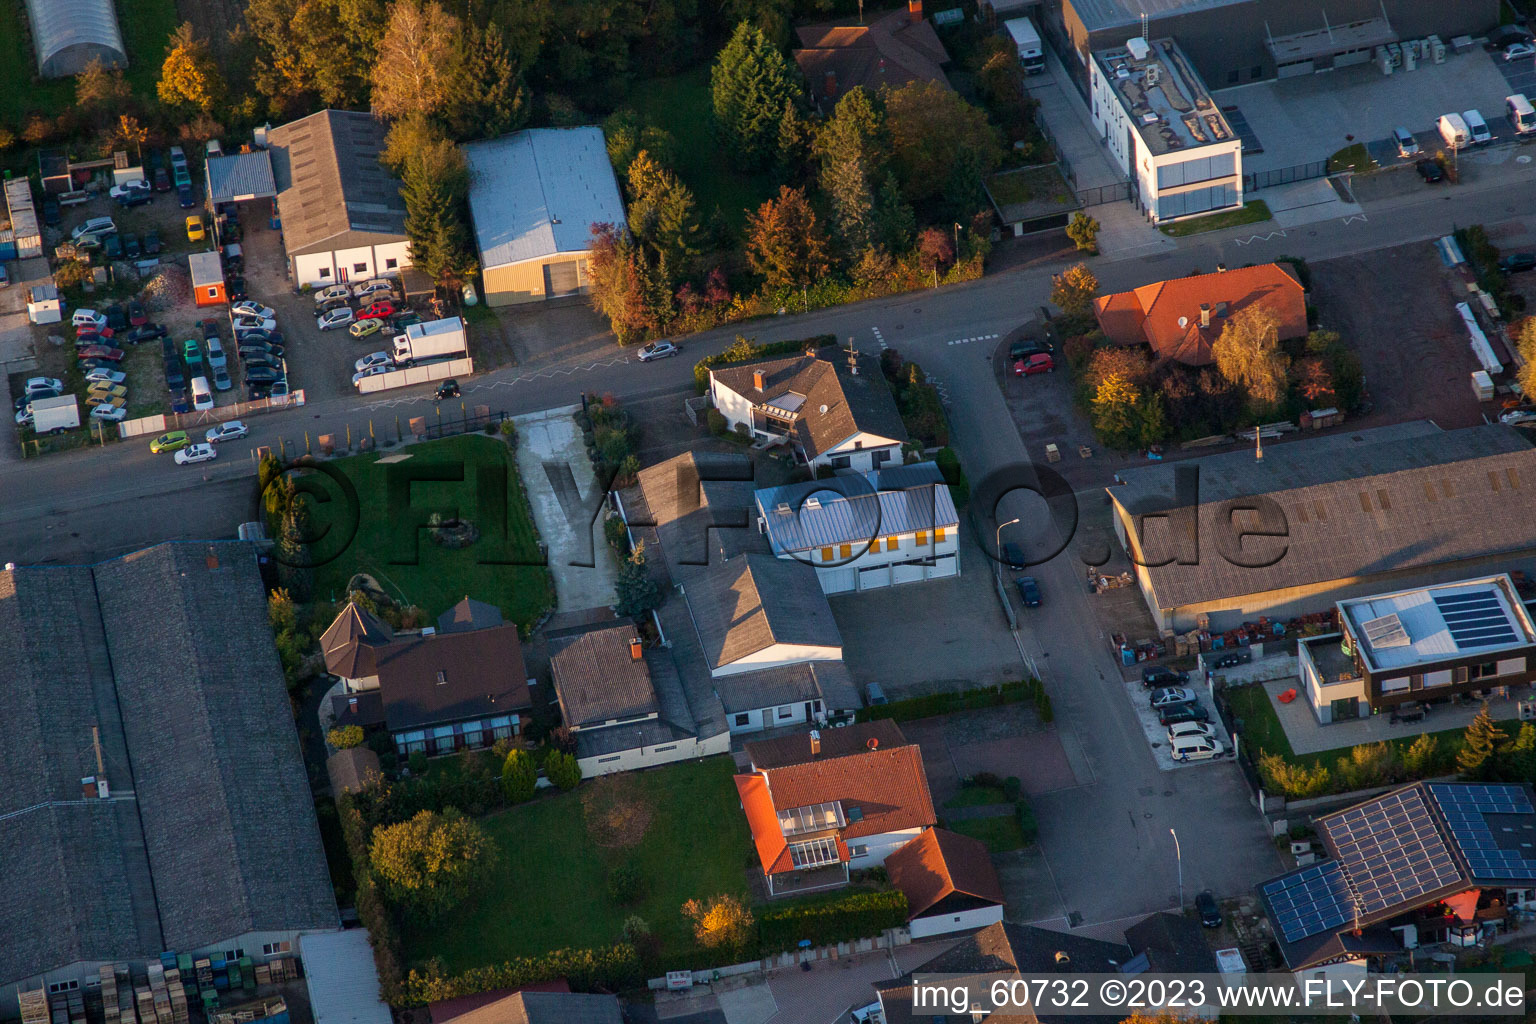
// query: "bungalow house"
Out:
[893,50]
[949,882]
[1182,318]
[455,686]
[835,413]
[863,532]
[821,803]
[624,703]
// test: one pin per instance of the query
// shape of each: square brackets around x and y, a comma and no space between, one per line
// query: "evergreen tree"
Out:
[893,222]
[749,85]
[1518,758]
[1476,758]
[488,96]
[435,187]
[662,213]
[519,776]
[636,592]
[797,137]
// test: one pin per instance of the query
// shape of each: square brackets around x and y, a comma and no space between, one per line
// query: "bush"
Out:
[417,763]
[1027,823]
[562,770]
[825,920]
[944,703]
[610,968]
[617,535]
[717,422]
[345,737]
[519,777]
[509,430]
[625,886]
[959,487]
[1012,787]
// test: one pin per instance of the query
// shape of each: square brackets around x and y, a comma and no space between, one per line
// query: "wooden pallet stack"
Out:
[34,1006]
[109,1007]
[177,993]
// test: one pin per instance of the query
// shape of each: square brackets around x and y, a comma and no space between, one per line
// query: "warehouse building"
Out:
[152,792]
[535,196]
[68,34]
[1232,42]
[1227,539]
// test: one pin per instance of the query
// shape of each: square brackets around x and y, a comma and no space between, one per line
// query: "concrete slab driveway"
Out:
[565,496]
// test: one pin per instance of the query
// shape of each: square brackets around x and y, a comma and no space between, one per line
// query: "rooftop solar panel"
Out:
[1310,901]
[1476,619]
[1465,809]
[1391,851]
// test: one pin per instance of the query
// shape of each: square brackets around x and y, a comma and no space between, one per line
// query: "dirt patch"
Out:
[616,812]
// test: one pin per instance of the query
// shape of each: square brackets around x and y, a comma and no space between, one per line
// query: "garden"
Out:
[992,810]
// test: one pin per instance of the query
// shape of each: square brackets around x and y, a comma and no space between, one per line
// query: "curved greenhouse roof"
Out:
[67,34]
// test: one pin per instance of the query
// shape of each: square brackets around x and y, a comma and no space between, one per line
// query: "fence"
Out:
[422,374]
[186,420]
[468,423]
[1256,180]
[1099,195]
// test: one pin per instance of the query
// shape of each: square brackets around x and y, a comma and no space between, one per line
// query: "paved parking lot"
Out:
[1157,733]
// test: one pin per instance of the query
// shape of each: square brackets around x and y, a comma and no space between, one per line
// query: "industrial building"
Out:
[1229,538]
[68,34]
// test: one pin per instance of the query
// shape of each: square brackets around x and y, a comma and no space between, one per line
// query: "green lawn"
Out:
[681,105]
[1001,834]
[551,889]
[1351,158]
[502,568]
[978,796]
[1252,212]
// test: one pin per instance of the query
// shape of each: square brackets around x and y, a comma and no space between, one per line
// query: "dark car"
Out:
[1504,35]
[271,353]
[179,402]
[210,329]
[161,179]
[448,389]
[1182,713]
[1430,171]
[168,349]
[174,380]
[184,197]
[1518,263]
[52,214]
[138,198]
[152,244]
[131,247]
[1013,558]
[1229,659]
[1210,913]
[117,317]
[256,392]
[142,333]
[136,314]
[254,360]
[1029,591]
[262,374]
[235,285]
[112,246]
[1153,676]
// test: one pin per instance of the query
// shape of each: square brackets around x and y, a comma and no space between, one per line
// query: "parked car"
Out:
[170,442]
[1518,263]
[363,328]
[1407,145]
[1430,171]
[152,244]
[279,388]
[447,389]
[227,431]
[380,310]
[132,247]
[88,244]
[97,226]
[1029,591]
[658,350]
[1517,50]
[334,318]
[101,387]
[1171,695]
[1210,913]
[270,354]
[372,371]
[111,355]
[373,359]
[331,292]
[1040,362]
[112,246]
[262,374]
[106,377]
[195,231]
[194,453]
[1515,417]
[1179,729]
[1175,713]
[52,212]
[111,412]
[184,197]
[95,398]
[192,353]
[1196,748]
[1013,558]
[253,309]
[221,381]
[36,384]
[131,189]
[874,696]
[136,314]
[1024,349]
[180,403]
[117,317]
[88,318]
[168,348]
[1477,127]
[1154,676]
[216,356]
[252,360]
[401,321]
[377,286]
[247,324]
[160,179]
[174,379]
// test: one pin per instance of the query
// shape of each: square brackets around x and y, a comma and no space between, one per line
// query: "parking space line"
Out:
[980,337]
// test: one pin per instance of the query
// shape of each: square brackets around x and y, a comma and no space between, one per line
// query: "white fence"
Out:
[423,374]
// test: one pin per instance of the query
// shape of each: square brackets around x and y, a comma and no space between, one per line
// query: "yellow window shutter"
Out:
[826,554]
[938,535]
[922,538]
[892,543]
[845,551]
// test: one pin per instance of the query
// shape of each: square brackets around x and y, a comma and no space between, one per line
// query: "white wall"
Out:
[320,269]
[649,757]
[880,846]
[735,408]
[922,927]
[759,719]
[779,654]
[860,450]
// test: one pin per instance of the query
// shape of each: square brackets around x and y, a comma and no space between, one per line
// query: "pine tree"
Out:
[749,85]
[488,97]
[434,187]
[634,589]
[894,222]
[1518,758]
[1476,757]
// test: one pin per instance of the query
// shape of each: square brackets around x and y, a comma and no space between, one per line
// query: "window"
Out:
[861,850]
[502,727]
[938,535]
[609,760]
[1393,685]
[892,543]
[745,718]
[473,734]
[841,462]
[826,554]
[213,291]
[273,948]
[845,551]
[922,538]
[64,986]
[663,750]
[442,677]
[854,813]
[813,854]
[857,445]
[325,272]
[881,457]
[787,711]
[359,268]
[391,264]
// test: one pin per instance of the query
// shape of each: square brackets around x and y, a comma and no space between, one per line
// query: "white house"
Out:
[822,803]
[342,215]
[837,413]
[1163,129]
[866,531]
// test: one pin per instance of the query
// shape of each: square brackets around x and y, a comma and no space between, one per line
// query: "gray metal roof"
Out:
[538,192]
[1406,496]
[341,978]
[749,603]
[332,192]
[849,509]
[1101,14]
[1479,616]
[67,34]
[240,176]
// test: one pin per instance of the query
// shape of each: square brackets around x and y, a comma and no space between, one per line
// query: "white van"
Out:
[1477,127]
[1522,116]
[1195,748]
[1454,131]
[202,394]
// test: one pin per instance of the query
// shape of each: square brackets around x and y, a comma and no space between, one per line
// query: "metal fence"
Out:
[182,421]
[1284,175]
[449,426]
[1098,195]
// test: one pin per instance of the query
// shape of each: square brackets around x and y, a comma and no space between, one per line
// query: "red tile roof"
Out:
[1151,314]
[938,864]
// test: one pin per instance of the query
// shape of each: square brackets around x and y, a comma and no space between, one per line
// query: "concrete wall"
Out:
[923,927]
[320,269]
[650,757]
[778,654]
[514,283]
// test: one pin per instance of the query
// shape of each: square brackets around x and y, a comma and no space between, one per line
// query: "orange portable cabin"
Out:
[207,279]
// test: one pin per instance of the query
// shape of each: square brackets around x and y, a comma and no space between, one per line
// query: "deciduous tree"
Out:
[129,132]
[1074,289]
[418,59]
[749,84]
[432,862]
[1313,380]
[1525,338]
[319,48]
[720,922]
[99,89]
[189,76]
[345,737]
[617,270]
[1248,354]
[1114,411]
[932,130]
[1084,232]
[785,243]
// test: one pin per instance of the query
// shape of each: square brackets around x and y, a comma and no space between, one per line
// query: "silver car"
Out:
[1407,145]
[334,319]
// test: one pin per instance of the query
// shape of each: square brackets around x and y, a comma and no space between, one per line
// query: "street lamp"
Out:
[957,240]
[1000,538]
[1178,856]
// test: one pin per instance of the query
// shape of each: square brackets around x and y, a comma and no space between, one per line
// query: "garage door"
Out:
[1294,70]
[908,573]
[944,567]
[838,581]
[874,579]
[561,279]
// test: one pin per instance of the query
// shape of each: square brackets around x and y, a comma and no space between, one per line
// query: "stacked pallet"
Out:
[34,1006]
[178,996]
[109,1006]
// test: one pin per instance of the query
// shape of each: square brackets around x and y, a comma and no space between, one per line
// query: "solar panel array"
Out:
[1465,809]
[1391,850]
[1476,619]
[1313,900]
[1386,631]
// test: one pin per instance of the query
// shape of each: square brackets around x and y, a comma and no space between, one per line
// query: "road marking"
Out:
[1354,217]
[880,338]
[967,341]
[1258,238]
[938,386]
[563,371]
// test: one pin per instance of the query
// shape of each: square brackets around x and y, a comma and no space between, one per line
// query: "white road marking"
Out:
[1258,238]
[563,371]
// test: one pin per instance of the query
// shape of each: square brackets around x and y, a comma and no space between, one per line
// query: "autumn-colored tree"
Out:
[7,138]
[934,130]
[189,76]
[617,272]
[1114,411]
[1314,380]
[1126,362]
[38,130]
[319,48]
[418,59]
[129,132]
[345,737]
[1074,289]
[432,862]
[1084,232]
[749,84]
[935,248]
[785,243]
[1248,354]
[1476,759]
[99,90]
[1421,759]
[1525,341]
[720,922]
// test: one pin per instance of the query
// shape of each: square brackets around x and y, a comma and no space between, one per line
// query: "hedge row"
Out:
[935,704]
[746,350]
[610,968]
[842,918]
[372,909]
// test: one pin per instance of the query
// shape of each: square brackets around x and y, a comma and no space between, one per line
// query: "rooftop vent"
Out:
[1062,958]
[1138,47]
[813,502]
[873,743]
[442,677]
[815,742]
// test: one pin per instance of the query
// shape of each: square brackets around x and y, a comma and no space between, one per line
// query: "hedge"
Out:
[1027,823]
[745,350]
[935,704]
[949,465]
[609,968]
[372,909]
[825,920]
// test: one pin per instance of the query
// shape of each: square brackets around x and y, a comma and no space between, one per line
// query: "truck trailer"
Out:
[1031,55]
[435,339]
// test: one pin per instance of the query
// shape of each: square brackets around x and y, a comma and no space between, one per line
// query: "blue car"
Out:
[1029,591]
[184,197]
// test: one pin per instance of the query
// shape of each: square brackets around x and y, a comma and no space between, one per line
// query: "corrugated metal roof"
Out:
[1101,14]
[67,33]
[849,509]
[205,268]
[538,192]
[333,192]
[240,175]
[342,980]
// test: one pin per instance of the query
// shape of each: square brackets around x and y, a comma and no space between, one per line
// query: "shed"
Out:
[207,279]
[239,177]
[26,233]
[341,978]
[68,34]
[43,306]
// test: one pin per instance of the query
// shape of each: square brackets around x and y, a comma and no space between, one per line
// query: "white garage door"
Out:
[838,581]
[944,567]
[908,573]
[874,579]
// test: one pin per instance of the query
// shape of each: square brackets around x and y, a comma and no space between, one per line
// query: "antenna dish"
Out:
[1183,321]
[823,410]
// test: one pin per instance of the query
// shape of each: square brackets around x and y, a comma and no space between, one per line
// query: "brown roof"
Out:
[751,602]
[364,708]
[469,614]
[887,785]
[528,1006]
[348,642]
[783,751]
[1152,313]
[446,1010]
[853,402]
[450,677]
[598,680]
[352,770]
[695,502]
[891,51]
[939,864]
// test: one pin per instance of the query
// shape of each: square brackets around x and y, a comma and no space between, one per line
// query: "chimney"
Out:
[872,743]
[757,379]
[815,742]
[635,650]
[829,85]
[914,11]
[1205,315]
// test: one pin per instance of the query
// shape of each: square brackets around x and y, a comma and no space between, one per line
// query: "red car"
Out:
[111,355]
[1040,362]
[377,311]
[86,335]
